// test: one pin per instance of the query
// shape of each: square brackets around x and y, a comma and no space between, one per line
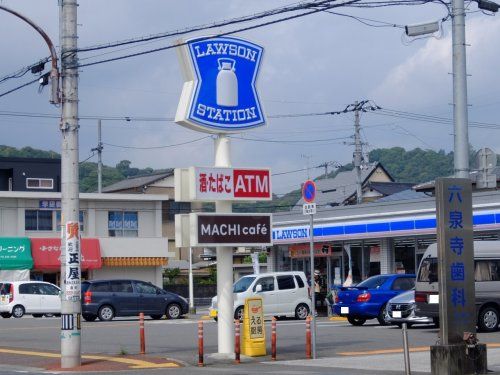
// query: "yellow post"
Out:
[253,343]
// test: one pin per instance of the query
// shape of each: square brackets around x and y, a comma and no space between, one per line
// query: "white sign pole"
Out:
[225,320]
[313,286]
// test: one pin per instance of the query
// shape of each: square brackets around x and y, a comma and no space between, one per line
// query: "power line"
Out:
[157,147]
[19,87]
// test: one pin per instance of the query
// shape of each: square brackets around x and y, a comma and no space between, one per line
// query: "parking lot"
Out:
[338,343]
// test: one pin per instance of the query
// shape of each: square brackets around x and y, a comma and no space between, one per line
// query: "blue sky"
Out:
[317,63]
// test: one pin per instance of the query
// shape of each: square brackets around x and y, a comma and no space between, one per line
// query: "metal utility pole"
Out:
[460,113]
[99,149]
[54,72]
[357,154]
[70,244]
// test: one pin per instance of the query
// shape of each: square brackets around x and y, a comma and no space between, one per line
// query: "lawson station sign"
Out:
[219,94]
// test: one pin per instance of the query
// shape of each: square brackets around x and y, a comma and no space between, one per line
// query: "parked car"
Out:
[37,298]
[368,299]
[487,284]
[105,299]
[401,309]
[283,294]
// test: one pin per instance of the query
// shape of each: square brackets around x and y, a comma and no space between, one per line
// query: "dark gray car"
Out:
[105,299]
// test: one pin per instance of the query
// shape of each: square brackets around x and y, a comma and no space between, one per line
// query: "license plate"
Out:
[433,298]
[344,310]
[396,314]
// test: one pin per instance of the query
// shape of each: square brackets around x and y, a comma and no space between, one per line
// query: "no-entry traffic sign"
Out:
[309,191]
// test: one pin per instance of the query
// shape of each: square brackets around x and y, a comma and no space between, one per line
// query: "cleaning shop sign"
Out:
[231,229]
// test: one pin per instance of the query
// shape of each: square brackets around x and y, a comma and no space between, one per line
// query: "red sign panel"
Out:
[46,253]
[251,183]
[304,250]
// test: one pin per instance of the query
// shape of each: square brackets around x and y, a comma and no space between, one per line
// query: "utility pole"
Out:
[99,149]
[70,244]
[460,115]
[357,154]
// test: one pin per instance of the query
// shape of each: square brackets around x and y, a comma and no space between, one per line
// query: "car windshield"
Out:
[242,284]
[373,282]
[428,271]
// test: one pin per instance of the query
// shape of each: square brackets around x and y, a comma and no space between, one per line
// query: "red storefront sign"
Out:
[46,253]
[303,250]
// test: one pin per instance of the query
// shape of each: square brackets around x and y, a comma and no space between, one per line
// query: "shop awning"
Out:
[134,261]
[15,253]
[47,251]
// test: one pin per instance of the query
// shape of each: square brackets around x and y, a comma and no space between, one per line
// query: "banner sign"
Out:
[219,95]
[304,250]
[217,183]
[230,229]
[457,309]
[72,282]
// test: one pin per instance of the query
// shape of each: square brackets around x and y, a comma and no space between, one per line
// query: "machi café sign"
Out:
[219,94]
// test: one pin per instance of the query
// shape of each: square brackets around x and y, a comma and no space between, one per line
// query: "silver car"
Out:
[401,309]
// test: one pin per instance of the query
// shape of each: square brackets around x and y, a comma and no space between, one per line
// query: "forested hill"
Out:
[413,166]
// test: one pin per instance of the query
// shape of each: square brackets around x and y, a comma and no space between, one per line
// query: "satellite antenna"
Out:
[486,161]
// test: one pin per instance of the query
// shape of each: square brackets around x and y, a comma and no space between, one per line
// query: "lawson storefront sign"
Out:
[401,226]
[219,95]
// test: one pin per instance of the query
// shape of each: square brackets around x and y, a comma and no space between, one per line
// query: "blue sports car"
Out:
[368,299]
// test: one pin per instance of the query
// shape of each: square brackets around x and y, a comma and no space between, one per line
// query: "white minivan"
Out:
[37,298]
[487,284]
[283,294]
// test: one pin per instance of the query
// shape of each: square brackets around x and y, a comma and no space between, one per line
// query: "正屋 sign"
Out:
[457,308]
[72,283]
[215,183]
[228,229]
[219,94]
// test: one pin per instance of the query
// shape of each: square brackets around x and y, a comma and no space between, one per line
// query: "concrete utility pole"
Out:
[460,113]
[357,154]
[99,157]
[70,265]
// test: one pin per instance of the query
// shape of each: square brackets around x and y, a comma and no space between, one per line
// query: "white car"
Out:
[37,298]
[283,294]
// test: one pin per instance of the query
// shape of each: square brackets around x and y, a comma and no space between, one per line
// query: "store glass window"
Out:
[123,224]
[38,220]
[404,255]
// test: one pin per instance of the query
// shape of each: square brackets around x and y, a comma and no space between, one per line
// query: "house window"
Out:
[81,219]
[178,208]
[38,220]
[123,224]
[40,183]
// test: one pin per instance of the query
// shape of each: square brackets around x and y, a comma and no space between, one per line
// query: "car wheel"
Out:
[383,316]
[18,311]
[37,315]
[238,314]
[6,315]
[173,311]
[301,311]
[89,318]
[488,319]
[106,313]
[156,316]
[356,321]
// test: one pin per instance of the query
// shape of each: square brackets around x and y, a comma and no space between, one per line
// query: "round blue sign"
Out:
[309,191]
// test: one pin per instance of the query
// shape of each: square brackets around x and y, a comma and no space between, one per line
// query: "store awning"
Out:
[15,253]
[47,251]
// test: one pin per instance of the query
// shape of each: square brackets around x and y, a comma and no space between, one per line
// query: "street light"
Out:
[54,72]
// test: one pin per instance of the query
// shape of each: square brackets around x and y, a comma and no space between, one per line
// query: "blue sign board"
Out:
[309,191]
[219,95]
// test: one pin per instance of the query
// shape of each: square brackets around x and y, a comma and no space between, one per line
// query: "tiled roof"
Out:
[135,182]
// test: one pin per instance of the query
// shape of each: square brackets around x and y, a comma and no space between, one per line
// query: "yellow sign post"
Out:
[254,333]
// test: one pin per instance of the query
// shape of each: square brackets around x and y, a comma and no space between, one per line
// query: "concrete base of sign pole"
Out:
[457,360]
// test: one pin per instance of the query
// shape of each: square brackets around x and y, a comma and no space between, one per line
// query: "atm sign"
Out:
[215,183]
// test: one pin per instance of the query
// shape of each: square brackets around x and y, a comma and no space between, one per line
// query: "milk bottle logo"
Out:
[220,95]
[227,83]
